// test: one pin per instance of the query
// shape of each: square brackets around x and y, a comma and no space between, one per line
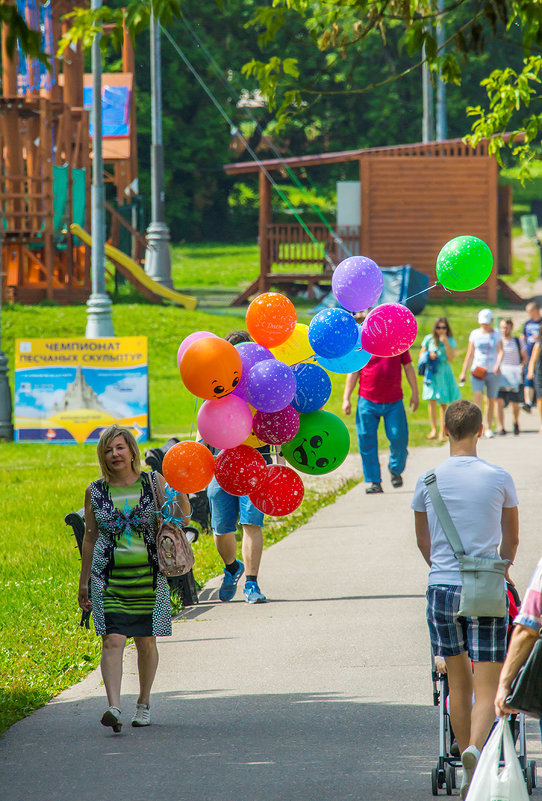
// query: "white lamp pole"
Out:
[158,256]
[99,321]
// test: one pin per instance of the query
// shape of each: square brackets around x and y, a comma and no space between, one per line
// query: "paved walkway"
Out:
[322,694]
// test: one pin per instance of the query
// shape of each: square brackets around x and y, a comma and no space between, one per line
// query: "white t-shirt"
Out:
[475,494]
[485,348]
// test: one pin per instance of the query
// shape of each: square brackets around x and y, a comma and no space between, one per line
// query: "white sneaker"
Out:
[469,760]
[489,434]
[142,715]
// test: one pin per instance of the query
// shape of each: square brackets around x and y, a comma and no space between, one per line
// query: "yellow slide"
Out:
[137,275]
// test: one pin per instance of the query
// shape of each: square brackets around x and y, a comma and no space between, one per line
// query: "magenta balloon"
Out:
[388,330]
[276,428]
[187,341]
[271,386]
[226,422]
[357,283]
[251,353]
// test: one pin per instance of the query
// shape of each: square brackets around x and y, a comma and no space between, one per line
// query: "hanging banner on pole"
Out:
[68,390]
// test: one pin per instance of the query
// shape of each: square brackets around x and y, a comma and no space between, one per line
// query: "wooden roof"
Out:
[447,147]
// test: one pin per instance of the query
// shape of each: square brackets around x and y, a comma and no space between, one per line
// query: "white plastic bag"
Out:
[491,782]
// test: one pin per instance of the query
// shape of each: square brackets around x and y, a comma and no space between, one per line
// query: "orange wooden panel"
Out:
[412,206]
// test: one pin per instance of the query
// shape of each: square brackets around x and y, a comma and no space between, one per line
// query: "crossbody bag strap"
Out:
[152,480]
[430,481]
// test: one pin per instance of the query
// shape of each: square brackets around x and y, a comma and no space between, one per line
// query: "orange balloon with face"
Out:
[211,368]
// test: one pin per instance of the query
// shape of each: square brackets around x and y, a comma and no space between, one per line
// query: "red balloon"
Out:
[240,470]
[188,466]
[280,492]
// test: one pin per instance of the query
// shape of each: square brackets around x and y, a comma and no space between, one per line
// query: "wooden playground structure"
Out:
[414,198]
[45,175]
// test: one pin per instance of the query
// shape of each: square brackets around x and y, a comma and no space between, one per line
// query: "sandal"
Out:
[111,717]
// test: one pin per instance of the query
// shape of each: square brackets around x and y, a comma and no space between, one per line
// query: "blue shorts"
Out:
[483,638]
[227,510]
[491,383]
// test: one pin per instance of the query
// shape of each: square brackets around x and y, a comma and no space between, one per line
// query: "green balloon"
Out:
[464,263]
[321,444]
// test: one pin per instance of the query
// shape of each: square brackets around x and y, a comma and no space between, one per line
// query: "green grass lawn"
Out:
[43,650]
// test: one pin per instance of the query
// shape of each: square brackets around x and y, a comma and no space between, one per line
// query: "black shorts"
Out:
[508,395]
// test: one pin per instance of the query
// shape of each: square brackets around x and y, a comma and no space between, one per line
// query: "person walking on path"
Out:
[129,596]
[226,512]
[439,384]
[531,330]
[527,625]
[510,363]
[381,396]
[534,373]
[482,353]
[482,502]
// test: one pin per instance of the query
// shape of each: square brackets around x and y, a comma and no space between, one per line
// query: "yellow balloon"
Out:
[297,347]
[252,439]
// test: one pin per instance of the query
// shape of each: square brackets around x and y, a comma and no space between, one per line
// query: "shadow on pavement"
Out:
[219,747]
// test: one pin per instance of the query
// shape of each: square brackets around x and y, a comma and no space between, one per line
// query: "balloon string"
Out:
[194,418]
[422,292]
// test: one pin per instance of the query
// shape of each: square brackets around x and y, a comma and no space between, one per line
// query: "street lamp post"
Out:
[99,321]
[157,257]
[442,123]
[6,424]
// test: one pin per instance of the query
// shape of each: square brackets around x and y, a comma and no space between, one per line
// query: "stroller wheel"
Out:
[450,779]
[434,781]
[529,780]
[532,766]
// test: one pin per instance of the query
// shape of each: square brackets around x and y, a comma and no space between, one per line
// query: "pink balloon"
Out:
[388,330]
[275,428]
[226,422]
[187,341]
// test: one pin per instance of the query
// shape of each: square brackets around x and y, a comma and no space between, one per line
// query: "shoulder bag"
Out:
[526,691]
[175,555]
[483,593]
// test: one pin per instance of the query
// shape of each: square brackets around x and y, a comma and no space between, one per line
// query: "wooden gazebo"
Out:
[414,198]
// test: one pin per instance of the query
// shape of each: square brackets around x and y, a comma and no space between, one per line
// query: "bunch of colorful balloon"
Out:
[273,390]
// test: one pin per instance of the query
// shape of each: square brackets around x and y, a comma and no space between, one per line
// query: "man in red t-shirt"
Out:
[381,395]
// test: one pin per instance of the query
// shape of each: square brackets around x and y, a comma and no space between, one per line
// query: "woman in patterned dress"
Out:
[130,597]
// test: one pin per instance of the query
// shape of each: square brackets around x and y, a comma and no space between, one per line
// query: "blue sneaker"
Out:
[253,594]
[229,583]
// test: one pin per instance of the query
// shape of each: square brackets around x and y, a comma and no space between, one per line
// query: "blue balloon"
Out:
[353,361]
[333,333]
[313,388]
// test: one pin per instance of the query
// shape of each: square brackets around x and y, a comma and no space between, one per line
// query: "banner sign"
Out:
[69,390]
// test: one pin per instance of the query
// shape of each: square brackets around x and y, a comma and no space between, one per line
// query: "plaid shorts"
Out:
[483,638]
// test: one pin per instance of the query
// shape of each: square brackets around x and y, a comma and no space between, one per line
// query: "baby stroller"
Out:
[444,775]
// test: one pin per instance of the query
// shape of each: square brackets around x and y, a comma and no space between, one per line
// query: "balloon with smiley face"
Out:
[211,368]
[321,444]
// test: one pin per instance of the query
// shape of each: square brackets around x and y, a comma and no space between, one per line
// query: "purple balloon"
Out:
[276,428]
[271,386]
[357,283]
[251,353]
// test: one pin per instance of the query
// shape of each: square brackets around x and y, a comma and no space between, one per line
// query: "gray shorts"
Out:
[491,383]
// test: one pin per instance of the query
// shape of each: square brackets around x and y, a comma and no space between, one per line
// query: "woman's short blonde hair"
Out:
[106,438]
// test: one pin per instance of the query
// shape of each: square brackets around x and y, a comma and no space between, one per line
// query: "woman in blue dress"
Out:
[439,384]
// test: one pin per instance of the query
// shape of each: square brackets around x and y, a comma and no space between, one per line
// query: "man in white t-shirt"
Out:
[482,502]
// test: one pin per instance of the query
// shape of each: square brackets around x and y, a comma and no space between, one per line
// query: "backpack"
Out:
[175,556]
